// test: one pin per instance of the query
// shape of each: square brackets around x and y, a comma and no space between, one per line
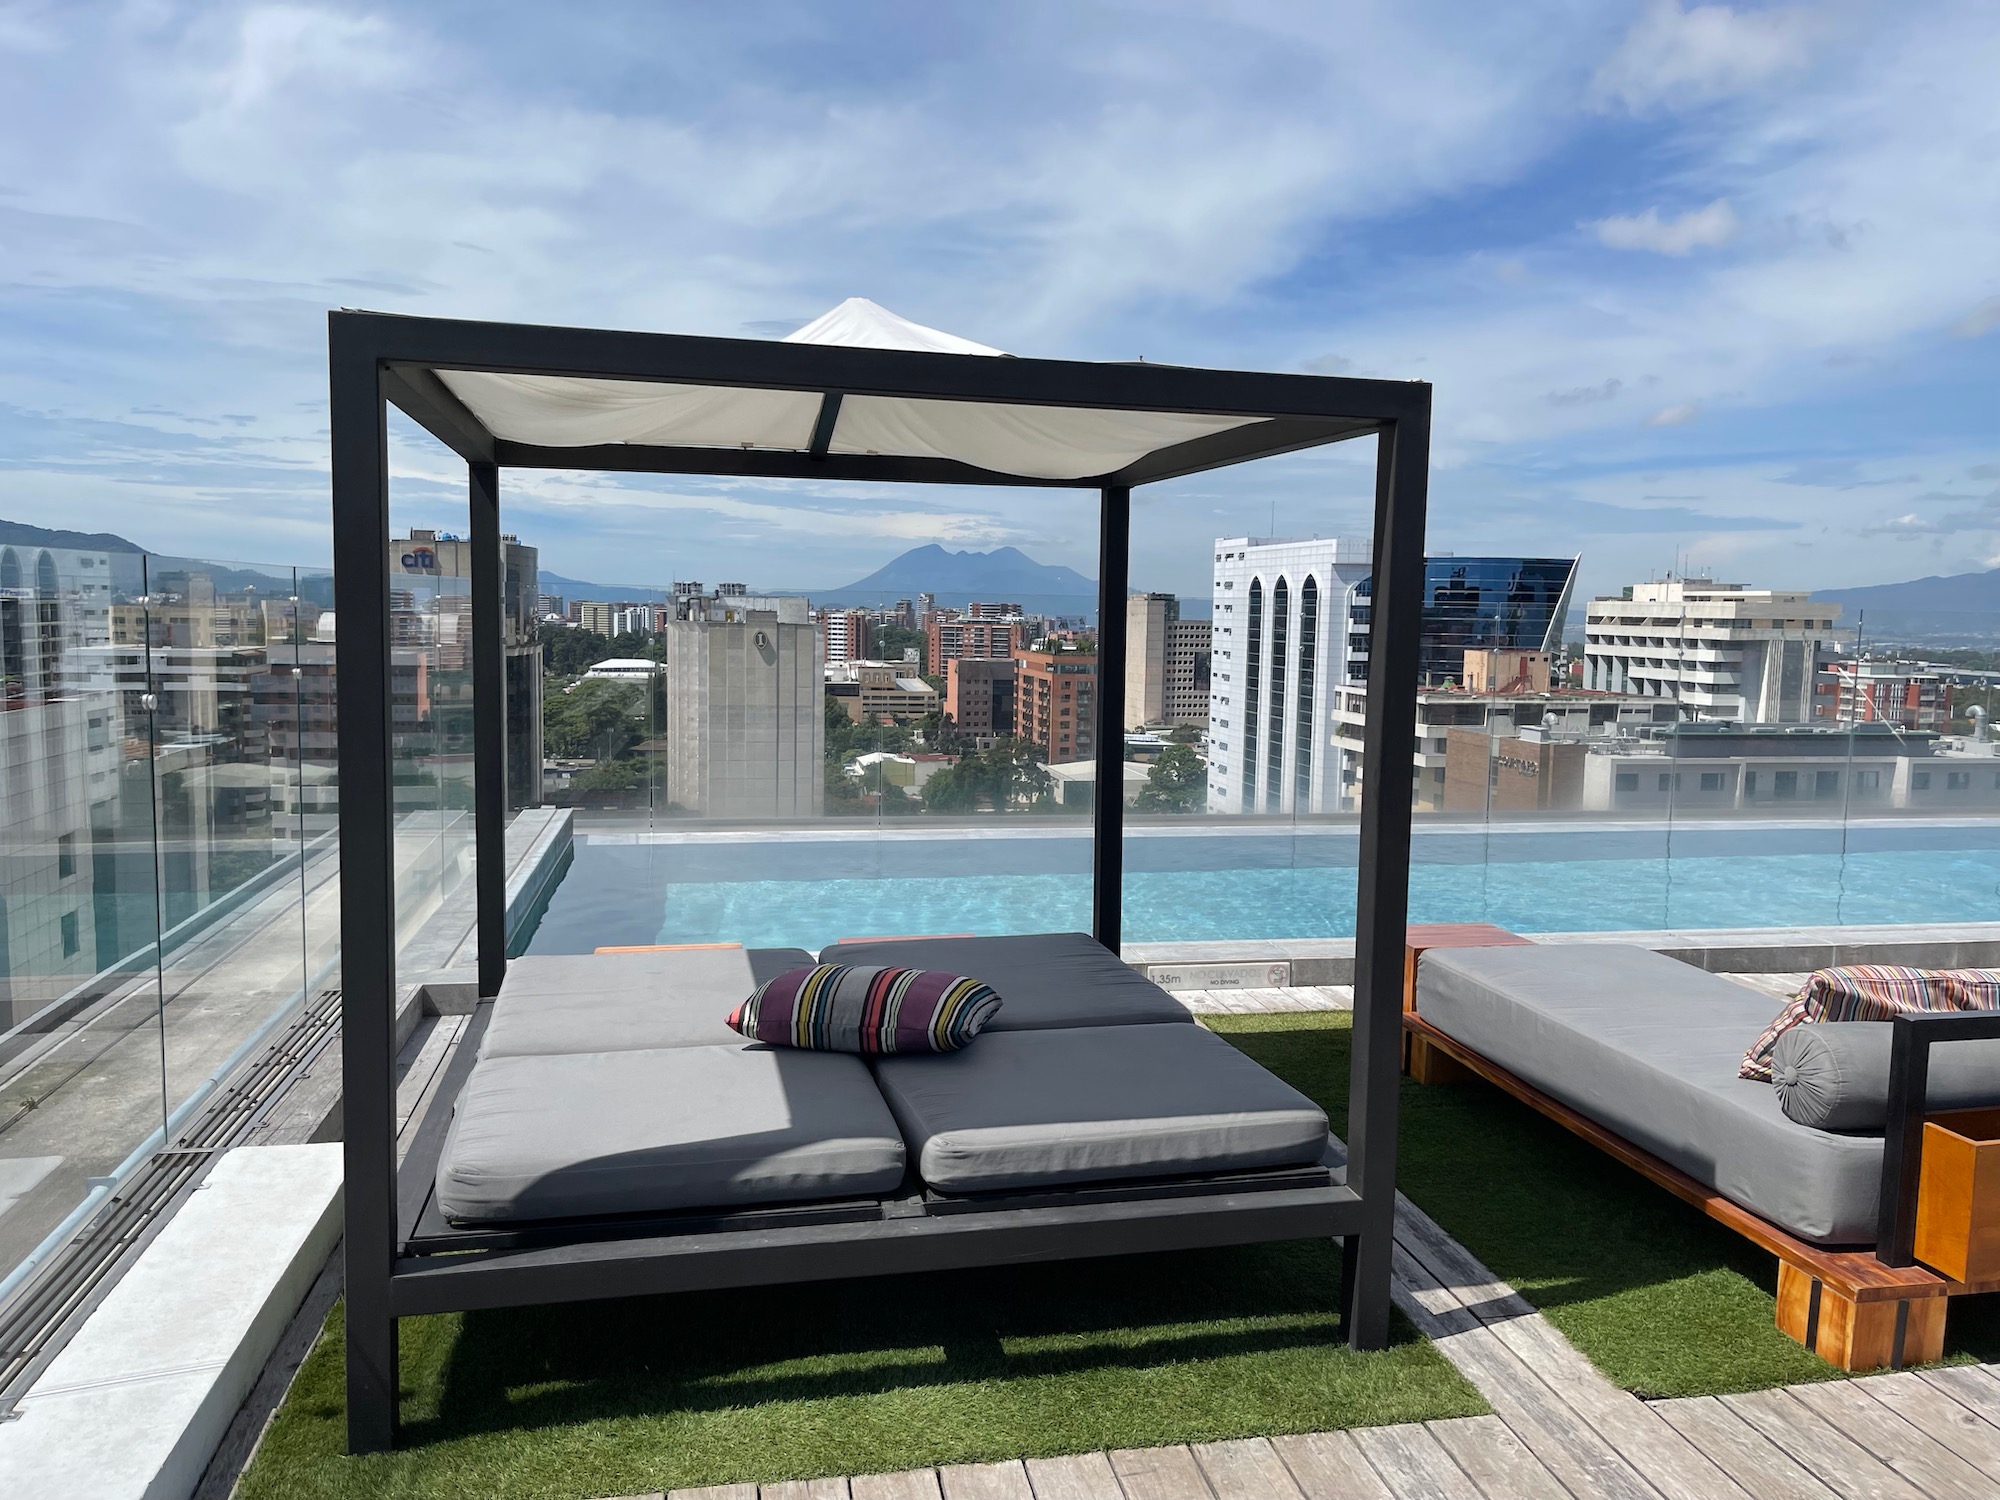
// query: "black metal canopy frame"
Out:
[378,360]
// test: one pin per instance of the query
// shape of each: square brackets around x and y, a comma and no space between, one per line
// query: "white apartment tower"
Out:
[1727,652]
[1289,634]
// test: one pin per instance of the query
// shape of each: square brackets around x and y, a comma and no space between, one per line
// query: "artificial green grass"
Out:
[613,1398]
[1662,1298]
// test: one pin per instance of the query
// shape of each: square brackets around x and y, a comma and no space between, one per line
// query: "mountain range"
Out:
[1958,607]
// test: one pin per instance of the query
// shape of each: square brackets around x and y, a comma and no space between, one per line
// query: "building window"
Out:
[1920,781]
[65,856]
[72,944]
[1667,781]
[1711,781]
[1274,738]
[1826,783]
[1626,781]
[1957,781]
[1252,681]
[1749,783]
[1784,783]
[1867,781]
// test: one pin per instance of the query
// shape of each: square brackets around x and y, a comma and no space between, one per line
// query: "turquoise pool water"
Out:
[803,893]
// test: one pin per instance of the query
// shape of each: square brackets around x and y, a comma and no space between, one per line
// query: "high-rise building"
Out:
[433,567]
[1291,655]
[949,639]
[979,696]
[633,619]
[992,611]
[597,616]
[1055,703]
[1167,663]
[1727,652]
[746,725]
[846,632]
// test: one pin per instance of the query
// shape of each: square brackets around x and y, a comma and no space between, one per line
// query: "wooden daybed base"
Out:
[1844,1305]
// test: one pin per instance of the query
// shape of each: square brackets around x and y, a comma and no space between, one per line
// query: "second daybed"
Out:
[1639,1053]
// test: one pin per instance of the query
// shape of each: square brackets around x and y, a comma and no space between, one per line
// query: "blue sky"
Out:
[1705,282]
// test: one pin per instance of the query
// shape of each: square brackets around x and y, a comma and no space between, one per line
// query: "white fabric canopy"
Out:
[1039,442]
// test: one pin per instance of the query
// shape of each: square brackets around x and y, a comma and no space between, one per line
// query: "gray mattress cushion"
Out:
[1094,1104]
[1648,1047]
[648,1131]
[1834,1075]
[613,1002]
[1043,979]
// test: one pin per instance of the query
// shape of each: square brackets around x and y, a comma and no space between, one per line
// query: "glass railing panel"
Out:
[225,786]
[81,1085]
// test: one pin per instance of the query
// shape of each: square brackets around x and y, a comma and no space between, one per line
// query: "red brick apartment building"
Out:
[981,640]
[1055,703]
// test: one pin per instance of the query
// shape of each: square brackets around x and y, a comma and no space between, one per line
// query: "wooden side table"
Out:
[1420,1060]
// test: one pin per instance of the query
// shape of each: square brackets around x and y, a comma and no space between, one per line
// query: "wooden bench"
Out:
[1845,1305]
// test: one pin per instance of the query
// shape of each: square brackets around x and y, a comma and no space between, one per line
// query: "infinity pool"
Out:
[806,889]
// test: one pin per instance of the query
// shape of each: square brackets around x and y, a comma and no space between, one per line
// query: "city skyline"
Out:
[1690,281]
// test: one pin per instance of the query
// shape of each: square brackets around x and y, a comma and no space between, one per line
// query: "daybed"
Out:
[1639,1053]
[877,406]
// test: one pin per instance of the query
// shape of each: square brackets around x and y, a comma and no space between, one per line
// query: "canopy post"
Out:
[489,725]
[1107,865]
[1402,462]
[366,739]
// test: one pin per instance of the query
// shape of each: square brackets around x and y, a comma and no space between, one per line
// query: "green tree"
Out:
[597,718]
[1178,783]
[1186,734]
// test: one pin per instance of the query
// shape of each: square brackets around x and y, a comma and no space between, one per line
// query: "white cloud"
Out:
[1674,56]
[1698,228]
[1675,416]
[1983,319]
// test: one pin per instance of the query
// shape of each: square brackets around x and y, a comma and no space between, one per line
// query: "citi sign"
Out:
[421,560]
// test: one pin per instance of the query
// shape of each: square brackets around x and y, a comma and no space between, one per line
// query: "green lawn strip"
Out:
[1664,1300]
[850,1377]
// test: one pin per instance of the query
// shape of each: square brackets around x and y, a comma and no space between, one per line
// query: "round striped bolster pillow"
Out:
[841,1008]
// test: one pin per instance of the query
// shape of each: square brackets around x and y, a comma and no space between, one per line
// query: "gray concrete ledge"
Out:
[134,1406]
[1746,950]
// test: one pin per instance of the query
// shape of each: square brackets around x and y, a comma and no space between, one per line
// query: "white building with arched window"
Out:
[1290,635]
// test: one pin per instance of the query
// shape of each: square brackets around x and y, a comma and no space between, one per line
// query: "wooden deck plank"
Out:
[1973,1387]
[716,1492]
[1664,1458]
[1328,1466]
[1498,1463]
[1008,1481]
[1413,1463]
[805,1489]
[1841,1464]
[1245,1469]
[1159,1473]
[1939,1418]
[1567,1445]
[908,1484]
[1082,1476]
[1764,1469]
[1926,1463]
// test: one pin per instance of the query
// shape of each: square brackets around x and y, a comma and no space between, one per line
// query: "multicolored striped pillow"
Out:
[1872,992]
[841,1008]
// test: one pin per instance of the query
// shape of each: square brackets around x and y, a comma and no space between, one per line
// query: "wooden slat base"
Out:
[1428,1064]
[1854,1335]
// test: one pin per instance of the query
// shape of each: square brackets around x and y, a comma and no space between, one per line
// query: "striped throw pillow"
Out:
[843,1008]
[1872,992]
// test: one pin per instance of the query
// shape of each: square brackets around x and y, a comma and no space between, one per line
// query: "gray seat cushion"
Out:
[611,1002]
[1648,1047]
[649,1131]
[1094,1104]
[1044,979]
[1834,1075]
